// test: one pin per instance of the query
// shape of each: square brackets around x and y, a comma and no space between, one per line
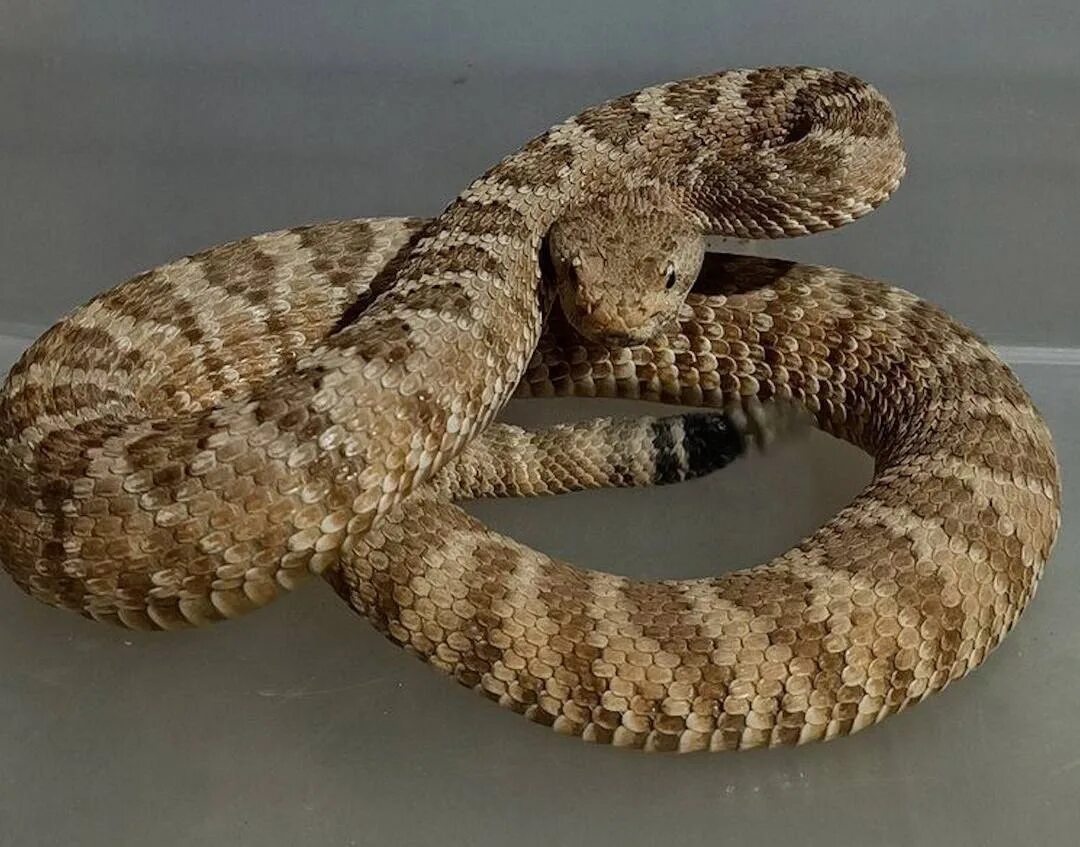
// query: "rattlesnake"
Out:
[191,443]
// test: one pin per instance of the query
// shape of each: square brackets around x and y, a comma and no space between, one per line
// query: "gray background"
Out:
[133,132]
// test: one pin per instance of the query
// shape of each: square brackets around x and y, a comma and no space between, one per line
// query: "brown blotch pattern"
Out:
[616,122]
[539,163]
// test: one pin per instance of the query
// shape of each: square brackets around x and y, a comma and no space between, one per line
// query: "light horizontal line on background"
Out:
[1035,355]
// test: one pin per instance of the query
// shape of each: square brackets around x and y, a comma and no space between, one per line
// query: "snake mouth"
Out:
[617,339]
[611,333]
[608,327]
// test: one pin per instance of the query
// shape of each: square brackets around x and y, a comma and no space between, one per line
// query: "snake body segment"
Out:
[188,445]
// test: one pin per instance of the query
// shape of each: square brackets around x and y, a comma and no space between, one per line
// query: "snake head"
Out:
[623,266]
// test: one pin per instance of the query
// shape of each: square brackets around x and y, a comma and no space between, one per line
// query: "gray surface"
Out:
[300,725]
[135,131]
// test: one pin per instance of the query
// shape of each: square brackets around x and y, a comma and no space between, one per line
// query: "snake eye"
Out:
[671,277]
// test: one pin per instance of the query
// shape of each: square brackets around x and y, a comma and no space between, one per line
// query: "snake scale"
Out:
[187,446]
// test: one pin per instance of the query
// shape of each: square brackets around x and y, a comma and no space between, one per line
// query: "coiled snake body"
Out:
[186,446]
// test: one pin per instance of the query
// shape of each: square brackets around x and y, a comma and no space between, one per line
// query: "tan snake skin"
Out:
[189,444]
